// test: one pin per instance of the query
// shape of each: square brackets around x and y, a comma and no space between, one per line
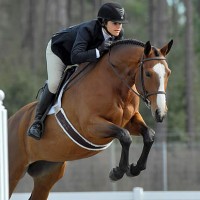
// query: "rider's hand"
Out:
[104,47]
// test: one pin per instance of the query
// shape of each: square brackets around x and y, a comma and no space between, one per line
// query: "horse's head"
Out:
[152,79]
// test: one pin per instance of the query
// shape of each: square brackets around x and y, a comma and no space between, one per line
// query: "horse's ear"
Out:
[147,48]
[165,50]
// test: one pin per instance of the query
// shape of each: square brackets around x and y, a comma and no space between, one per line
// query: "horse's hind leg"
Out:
[16,172]
[45,175]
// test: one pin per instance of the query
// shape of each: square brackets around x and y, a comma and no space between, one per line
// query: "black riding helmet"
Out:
[112,12]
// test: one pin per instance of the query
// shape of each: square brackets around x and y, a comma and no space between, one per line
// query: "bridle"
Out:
[145,94]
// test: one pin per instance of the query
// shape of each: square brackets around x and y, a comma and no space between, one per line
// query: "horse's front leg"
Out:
[105,129]
[139,127]
[125,140]
[148,139]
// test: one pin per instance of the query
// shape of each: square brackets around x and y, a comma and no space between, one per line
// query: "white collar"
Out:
[105,34]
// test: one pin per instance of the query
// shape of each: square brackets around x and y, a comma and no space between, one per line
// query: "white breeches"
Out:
[55,69]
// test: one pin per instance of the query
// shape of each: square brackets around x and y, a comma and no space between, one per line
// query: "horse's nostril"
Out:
[157,111]
[158,116]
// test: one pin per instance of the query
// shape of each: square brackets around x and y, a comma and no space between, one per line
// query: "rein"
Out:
[145,95]
[76,76]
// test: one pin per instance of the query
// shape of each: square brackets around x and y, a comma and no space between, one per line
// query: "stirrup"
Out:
[36,129]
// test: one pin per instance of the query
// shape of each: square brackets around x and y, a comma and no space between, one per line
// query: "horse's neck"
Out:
[125,62]
[121,74]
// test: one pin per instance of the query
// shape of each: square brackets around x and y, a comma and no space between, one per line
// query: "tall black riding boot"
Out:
[45,101]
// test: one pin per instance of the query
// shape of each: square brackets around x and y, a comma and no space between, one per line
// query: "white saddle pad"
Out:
[58,103]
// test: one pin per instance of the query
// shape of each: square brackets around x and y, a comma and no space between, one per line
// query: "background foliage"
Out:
[27,26]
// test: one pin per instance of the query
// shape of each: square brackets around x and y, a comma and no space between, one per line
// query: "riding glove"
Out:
[104,47]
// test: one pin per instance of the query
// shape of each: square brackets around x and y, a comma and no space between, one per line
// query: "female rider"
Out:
[85,42]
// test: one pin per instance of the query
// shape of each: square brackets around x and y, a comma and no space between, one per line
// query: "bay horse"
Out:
[102,105]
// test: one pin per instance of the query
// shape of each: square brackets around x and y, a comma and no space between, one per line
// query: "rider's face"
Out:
[114,27]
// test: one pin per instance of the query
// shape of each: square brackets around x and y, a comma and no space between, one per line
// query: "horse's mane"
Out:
[128,42]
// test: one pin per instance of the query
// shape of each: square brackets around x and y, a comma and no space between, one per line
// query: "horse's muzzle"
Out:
[158,116]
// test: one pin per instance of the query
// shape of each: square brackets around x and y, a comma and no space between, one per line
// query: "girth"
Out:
[74,135]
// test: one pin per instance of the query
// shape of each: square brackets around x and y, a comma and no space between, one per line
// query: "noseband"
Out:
[145,94]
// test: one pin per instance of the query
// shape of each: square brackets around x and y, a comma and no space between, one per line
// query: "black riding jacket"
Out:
[77,44]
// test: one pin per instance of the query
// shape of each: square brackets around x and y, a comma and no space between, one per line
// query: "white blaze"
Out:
[161,98]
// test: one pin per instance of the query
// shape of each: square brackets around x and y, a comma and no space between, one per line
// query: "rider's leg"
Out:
[46,98]
[55,68]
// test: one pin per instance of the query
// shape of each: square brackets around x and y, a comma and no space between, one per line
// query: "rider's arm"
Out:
[80,52]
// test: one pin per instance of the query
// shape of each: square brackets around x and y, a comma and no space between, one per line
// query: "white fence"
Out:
[3,150]
[137,194]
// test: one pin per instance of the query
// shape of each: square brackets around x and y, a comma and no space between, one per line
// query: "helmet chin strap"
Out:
[103,24]
[106,30]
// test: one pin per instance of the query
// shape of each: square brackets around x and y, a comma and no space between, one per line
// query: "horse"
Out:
[102,105]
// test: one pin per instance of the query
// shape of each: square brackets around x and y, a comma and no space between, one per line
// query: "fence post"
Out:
[138,193]
[4,191]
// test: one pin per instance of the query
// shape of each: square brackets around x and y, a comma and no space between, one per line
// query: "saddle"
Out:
[70,76]
[65,78]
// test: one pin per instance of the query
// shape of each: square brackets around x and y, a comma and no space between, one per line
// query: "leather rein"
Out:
[145,94]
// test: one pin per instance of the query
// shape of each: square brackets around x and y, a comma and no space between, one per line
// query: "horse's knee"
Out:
[121,134]
[148,136]
[125,137]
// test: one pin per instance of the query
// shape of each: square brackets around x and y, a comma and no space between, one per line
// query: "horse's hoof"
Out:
[116,174]
[132,171]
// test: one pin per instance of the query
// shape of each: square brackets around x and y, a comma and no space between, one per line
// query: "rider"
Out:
[85,42]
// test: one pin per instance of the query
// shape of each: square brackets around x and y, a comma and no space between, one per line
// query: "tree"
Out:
[158,34]
[189,67]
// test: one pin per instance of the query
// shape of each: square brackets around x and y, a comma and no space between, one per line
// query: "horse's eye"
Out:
[148,74]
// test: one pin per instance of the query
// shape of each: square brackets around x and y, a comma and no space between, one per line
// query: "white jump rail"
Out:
[137,194]
[3,150]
